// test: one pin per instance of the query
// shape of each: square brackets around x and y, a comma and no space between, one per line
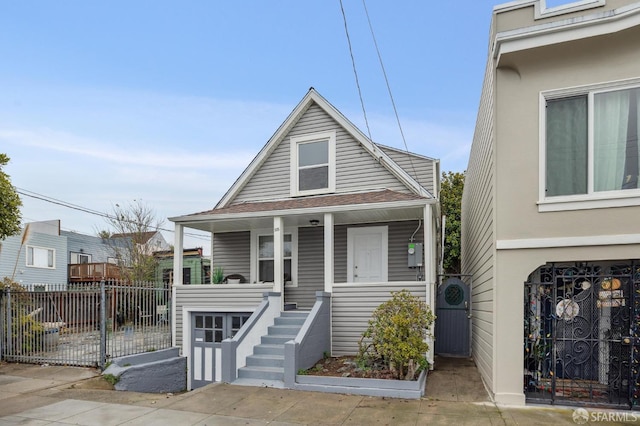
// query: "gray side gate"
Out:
[453,323]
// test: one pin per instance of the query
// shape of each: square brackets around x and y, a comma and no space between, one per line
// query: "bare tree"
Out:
[134,237]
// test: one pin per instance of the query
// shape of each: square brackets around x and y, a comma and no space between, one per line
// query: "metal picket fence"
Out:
[83,324]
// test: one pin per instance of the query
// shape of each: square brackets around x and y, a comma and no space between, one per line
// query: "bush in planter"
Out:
[396,335]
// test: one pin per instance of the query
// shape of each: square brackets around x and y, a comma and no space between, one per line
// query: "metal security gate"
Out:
[453,318]
[83,324]
[582,334]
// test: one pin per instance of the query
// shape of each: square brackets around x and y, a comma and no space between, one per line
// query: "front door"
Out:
[367,254]
[209,329]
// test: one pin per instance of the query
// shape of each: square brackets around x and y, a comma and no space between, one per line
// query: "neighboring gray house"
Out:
[324,220]
[90,258]
[551,205]
[38,259]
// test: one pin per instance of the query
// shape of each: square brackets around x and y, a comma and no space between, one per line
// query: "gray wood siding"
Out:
[420,168]
[478,247]
[310,268]
[232,251]
[355,168]
[220,297]
[352,306]
[399,234]
[26,275]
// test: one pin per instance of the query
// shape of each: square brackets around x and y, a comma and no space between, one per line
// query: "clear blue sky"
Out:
[168,102]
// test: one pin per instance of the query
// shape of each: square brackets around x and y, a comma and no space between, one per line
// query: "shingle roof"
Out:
[383,196]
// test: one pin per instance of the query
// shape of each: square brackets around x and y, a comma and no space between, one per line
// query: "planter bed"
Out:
[409,389]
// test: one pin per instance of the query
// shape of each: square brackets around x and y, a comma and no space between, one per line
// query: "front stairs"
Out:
[265,367]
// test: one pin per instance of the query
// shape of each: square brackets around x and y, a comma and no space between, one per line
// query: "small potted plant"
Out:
[218,275]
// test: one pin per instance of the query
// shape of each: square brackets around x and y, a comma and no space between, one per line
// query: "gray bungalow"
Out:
[312,237]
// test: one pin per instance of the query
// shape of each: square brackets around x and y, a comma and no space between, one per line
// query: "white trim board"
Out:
[588,241]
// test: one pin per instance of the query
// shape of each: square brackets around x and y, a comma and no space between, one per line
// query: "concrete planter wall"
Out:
[156,372]
[410,389]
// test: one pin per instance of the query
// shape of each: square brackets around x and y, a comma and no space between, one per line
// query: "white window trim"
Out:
[351,233]
[313,137]
[255,234]
[591,200]
[78,254]
[26,257]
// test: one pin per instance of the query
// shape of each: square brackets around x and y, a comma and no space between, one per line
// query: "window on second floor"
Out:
[78,258]
[39,257]
[591,145]
[313,164]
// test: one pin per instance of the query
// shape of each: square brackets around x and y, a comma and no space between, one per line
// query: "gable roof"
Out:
[310,98]
[143,237]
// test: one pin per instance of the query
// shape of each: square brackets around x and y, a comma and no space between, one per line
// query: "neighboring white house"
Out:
[551,205]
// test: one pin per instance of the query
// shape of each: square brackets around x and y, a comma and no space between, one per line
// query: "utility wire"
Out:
[355,72]
[66,204]
[386,79]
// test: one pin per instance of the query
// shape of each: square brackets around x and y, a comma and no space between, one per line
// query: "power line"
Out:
[384,73]
[77,207]
[355,72]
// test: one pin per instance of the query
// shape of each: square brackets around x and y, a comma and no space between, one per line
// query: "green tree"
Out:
[10,204]
[451,203]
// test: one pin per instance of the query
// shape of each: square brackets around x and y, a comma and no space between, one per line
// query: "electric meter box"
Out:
[415,255]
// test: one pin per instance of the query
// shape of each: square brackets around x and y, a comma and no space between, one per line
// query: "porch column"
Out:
[429,270]
[178,251]
[278,258]
[328,252]
[211,266]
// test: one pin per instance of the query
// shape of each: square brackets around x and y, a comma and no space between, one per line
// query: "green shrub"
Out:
[27,333]
[218,275]
[396,335]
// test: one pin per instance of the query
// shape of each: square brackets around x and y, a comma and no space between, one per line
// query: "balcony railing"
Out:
[93,272]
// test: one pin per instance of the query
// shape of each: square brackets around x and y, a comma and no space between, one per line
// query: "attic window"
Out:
[313,163]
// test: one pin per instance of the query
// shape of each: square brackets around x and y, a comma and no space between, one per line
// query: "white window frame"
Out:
[77,256]
[255,266]
[26,257]
[592,199]
[330,137]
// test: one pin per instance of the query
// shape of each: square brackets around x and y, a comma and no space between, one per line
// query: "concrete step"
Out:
[265,360]
[277,340]
[286,330]
[262,373]
[268,349]
[297,314]
[259,383]
[299,321]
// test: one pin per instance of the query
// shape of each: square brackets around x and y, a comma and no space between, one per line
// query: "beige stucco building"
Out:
[551,206]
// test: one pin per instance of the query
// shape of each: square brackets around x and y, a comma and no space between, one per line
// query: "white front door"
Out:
[367,254]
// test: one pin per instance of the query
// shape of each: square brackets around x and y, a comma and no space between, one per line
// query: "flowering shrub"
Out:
[396,335]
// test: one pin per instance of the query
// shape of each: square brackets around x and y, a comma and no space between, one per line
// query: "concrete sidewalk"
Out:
[50,395]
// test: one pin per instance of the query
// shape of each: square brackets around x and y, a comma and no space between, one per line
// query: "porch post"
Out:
[278,258]
[178,251]
[211,266]
[328,252]
[429,271]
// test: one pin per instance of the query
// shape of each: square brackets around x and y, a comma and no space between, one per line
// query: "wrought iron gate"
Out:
[582,334]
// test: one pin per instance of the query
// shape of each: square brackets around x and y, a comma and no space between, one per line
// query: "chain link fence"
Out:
[84,324]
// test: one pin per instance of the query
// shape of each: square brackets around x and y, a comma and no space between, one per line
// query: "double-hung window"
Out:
[313,163]
[266,257]
[39,257]
[263,256]
[591,149]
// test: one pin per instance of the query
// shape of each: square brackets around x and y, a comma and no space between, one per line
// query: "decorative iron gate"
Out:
[582,334]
